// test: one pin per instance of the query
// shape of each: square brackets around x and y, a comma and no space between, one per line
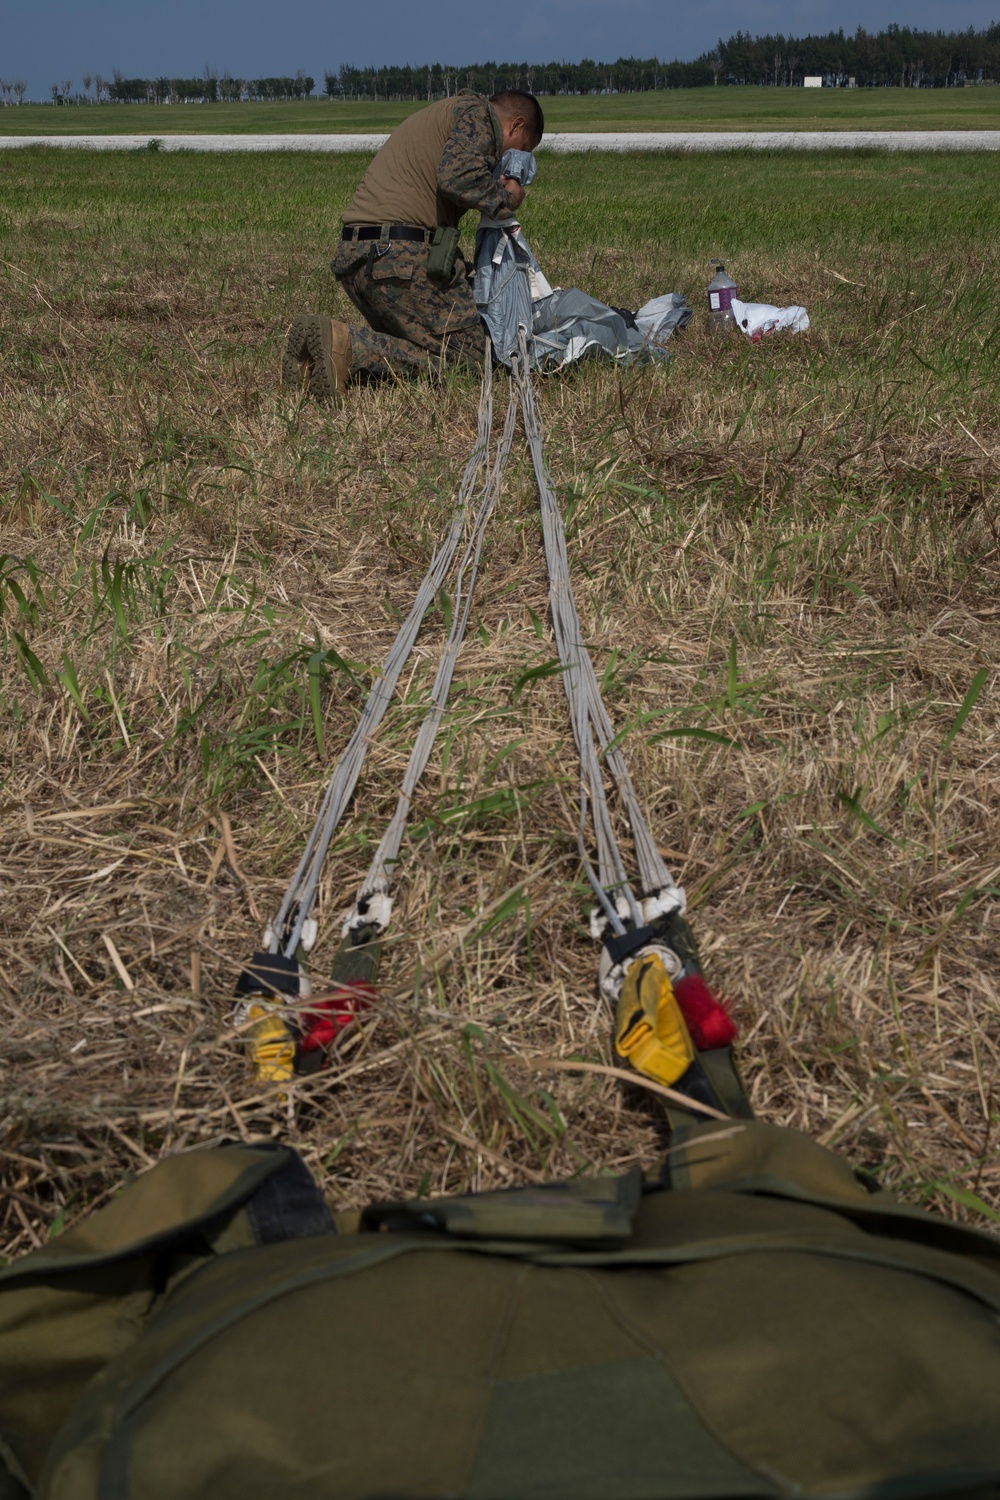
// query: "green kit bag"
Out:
[753,1322]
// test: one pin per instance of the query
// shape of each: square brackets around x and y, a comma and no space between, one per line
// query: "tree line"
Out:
[212,87]
[899,55]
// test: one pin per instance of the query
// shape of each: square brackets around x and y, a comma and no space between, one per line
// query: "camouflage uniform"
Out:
[416,323]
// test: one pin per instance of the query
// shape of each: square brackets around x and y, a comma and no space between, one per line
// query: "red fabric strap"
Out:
[329,1013]
[708,1021]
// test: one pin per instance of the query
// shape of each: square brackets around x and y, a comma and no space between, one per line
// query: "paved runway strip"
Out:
[715,140]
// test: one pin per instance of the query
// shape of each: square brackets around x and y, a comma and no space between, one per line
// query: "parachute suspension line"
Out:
[373,906]
[668,1025]
[611,875]
[293,923]
[593,731]
[592,727]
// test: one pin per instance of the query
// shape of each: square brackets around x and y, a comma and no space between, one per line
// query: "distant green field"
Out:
[676,208]
[678,109]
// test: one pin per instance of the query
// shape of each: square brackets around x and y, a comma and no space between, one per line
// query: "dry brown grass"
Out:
[790,547]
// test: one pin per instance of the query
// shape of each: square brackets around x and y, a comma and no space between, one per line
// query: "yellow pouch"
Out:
[271,1044]
[650,1031]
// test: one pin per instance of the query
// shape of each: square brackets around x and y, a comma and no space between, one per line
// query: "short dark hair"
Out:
[517,102]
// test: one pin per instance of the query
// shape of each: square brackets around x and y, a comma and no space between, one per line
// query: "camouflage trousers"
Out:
[414,323]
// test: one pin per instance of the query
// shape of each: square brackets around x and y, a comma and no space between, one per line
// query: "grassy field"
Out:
[790,548]
[677,109]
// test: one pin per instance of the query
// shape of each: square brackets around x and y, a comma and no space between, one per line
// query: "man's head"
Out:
[521,118]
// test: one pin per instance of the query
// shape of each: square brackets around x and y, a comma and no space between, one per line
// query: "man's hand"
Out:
[514,189]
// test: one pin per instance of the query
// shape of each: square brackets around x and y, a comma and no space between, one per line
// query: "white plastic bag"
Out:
[758,318]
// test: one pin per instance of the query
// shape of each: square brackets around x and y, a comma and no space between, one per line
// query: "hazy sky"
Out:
[44,41]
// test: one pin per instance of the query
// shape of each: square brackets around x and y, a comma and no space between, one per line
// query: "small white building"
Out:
[810,82]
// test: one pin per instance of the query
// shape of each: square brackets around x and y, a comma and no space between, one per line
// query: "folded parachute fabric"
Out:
[569,325]
[511,292]
[658,317]
[520,165]
[507,276]
[564,325]
[758,318]
[501,284]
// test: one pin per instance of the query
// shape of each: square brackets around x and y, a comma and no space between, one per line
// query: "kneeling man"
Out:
[398,258]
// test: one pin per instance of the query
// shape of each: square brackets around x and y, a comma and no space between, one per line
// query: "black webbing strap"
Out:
[289,1206]
[621,945]
[269,974]
[382,231]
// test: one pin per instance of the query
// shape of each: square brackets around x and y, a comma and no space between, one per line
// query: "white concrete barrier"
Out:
[564,142]
[778,140]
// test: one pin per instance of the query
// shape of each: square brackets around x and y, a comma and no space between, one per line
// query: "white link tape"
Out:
[374,910]
[671,898]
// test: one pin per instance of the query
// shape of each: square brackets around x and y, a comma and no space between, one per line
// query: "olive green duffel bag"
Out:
[756,1323]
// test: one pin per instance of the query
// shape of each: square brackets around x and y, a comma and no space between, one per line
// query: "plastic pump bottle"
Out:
[721,291]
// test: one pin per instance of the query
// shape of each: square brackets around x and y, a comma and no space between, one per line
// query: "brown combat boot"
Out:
[317,356]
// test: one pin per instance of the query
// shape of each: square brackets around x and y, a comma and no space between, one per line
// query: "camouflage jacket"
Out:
[470,155]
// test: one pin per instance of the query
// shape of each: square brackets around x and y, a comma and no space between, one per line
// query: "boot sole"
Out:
[307,359]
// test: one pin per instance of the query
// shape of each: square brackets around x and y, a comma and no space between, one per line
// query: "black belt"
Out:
[392,232]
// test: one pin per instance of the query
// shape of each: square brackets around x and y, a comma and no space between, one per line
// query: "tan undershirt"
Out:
[401,186]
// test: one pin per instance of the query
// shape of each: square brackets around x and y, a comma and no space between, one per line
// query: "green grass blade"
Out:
[967,1199]
[315,696]
[33,669]
[969,703]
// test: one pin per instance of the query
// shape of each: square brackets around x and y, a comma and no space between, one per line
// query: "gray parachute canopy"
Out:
[562,324]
